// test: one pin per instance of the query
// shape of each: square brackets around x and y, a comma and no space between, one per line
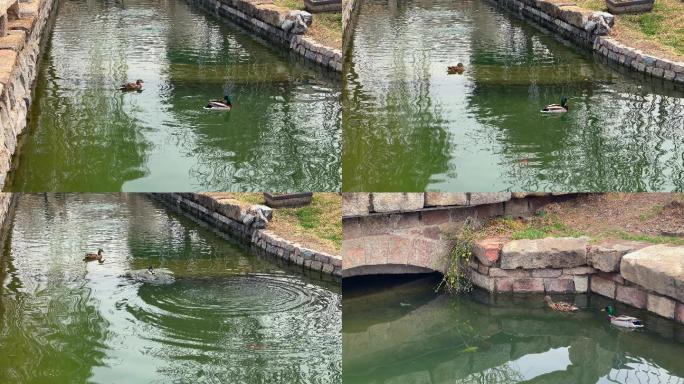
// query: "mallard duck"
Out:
[560,306]
[458,68]
[557,108]
[622,321]
[151,271]
[222,105]
[94,256]
[137,86]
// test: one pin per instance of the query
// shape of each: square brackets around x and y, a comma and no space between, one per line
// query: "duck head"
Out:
[609,309]
[100,252]
[139,82]
[564,102]
[150,270]
[548,300]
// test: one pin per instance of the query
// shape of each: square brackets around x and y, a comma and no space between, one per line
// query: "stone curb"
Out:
[234,220]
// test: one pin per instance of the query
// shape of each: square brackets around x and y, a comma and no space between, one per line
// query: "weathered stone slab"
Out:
[560,252]
[663,306]
[633,296]
[547,272]
[514,273]
[7,60]
[581,283]
[528,285]
[395,202]
[355,204]
[603,287]
[559,285]
[436,199]
[487,251]
[579,271]
[658,268]
[606,255]
[478,198]
[679,312]
[482,281]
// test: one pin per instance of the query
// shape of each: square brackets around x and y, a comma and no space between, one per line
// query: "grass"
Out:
[660,31]
[549,225]
[326,27]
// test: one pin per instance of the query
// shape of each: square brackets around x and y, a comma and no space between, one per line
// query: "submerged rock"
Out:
[160,276]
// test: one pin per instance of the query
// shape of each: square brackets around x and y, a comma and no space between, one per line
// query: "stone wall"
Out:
[349,11]
[19,54]
[639,274]
[249,223]
[591,29]
[395,233]
[6,204]
[264,20]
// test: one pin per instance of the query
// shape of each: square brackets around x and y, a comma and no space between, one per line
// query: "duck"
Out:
[560,306]
[137,86]
[622,321]
[95,256]
[557,108]
[151,271]
[458,68]
[220,105]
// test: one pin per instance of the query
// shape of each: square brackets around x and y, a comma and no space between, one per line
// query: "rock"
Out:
[581,283]
[355,204]
[658,268]
[603,286]
[579,271]
[633,296]
[514,273]
[559,285]
[487,251]
[394,202]
[287,25]
[679,312]
[261,211]
[547,272]
[482,281]
[661,305]
[479,198]
[606,255]
[433,199]
[551,252]
[248,219]
[528,285]
[161,276]
[297,22]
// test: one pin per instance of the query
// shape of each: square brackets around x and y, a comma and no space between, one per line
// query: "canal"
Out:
[400,331]
[227,314]
[410,126]
[85,135]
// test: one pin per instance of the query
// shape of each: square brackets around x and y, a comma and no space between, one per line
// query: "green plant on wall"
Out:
[457,279]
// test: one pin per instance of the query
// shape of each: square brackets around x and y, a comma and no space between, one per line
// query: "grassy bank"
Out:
[317,226]
[654,218]
[326,27]
[659,32]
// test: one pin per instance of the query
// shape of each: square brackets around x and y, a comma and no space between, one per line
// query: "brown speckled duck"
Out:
[560,306]
[137,86]
[95,256]
[456,69]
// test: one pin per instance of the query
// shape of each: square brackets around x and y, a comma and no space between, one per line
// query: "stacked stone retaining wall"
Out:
[243,221]
[639,274]
[591,30]
[349,13]
[19,55]
[266,22]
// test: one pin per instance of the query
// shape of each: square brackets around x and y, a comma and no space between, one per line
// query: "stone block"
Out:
[559,285]
[579,271]
[603,286]
[561,252]
[504,284]
[633,296]
[516,207]
[547,272]
[528,285]
[606,255]
[355,204]
[435,199]
[661,305]
[512,273]
[440,216]
[658,268]
[581,283]
[395,202]
[487,251]
[679,312]
[478,198]
[482,281]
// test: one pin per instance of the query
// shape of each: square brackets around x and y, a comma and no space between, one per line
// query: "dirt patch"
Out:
[652,217]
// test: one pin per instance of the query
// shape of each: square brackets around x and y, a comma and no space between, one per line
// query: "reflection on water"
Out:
[409,126]
[228,314]
[400,331]
[85,135]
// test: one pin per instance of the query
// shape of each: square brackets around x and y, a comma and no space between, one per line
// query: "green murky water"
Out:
[400,331]
[409,126]
[229,316]
[86,136]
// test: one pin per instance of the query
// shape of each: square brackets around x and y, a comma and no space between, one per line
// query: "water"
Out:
[409,126]
[86,136]
[402,332]
[228,316]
